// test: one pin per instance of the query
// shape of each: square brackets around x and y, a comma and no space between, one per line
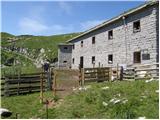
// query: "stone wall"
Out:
[124,43]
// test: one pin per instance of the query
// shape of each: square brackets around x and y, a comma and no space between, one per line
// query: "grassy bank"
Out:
[99,100]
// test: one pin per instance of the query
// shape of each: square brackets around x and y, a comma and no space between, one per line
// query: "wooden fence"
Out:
[23,84]
[146,71]
[94,74]
[136,72]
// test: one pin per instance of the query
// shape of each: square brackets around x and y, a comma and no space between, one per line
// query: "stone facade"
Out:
[124,43]
[64,55]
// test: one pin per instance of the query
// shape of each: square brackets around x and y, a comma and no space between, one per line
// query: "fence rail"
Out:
[23,84]
[95,74]
[146,71]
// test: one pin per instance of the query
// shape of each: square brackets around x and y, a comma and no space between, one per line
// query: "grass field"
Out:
[101,100]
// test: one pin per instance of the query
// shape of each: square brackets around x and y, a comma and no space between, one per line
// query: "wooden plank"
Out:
[147,69]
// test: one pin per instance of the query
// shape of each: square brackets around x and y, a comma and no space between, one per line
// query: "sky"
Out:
[58,17]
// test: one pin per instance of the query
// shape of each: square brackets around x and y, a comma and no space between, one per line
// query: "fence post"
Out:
[117,72]
[80,77]
[134,73]
[19,78]
[6,92]
[110,74]
[54,83]
[121,73]
[41,91]
[82,72]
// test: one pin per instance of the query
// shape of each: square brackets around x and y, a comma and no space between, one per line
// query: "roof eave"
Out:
[112,20]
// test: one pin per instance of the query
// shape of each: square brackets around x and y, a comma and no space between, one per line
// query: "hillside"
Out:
[109,100]
[36,48]
[33,44]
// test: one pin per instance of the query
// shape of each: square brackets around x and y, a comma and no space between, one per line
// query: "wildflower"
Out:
[105,88]
[142,117]
[116,101]
[125,101]
[104,104]
[149,80]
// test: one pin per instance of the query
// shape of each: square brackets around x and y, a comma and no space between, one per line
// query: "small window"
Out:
[93,59]
[136,26]
[110,34]
[64,61]
[146,56]
[110,59]
[73,60]
[137,57]
[65,48]
[81,43]
[93,40]
[73,46]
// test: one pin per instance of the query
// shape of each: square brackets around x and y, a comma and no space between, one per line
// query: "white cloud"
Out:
[65,7]
[89,24]
[32,26]
[28,25]
[60,29]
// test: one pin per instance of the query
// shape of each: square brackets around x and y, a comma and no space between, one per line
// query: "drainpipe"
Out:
[124,24]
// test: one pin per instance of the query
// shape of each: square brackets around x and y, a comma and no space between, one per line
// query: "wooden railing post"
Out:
[54,83]
[6,87]
[83,77]
[41,88]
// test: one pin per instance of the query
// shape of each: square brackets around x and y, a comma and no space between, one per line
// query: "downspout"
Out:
[125,38]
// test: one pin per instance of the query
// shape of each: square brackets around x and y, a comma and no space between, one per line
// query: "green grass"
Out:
[141,96]
[34,43]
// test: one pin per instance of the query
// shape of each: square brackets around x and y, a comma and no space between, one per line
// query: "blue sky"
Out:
[59,17]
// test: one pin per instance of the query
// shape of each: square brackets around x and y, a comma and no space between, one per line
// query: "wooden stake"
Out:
[117,72]
[82,72]
[54,82]
[41,92]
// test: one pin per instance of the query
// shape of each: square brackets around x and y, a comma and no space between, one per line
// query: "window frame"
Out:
[135,58]
[109,58]
[93,59]
[82,43]
[109,35]
[93,40]
[135,30]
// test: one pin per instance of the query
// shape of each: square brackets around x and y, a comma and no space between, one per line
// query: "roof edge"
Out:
[130,11]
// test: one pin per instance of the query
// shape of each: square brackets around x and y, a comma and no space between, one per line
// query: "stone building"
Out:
[64,55]
[130,38]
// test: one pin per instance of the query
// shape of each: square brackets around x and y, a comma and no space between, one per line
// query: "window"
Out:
[73,46]
[65,48]
[146,56]
[136,26]
[137,57]
[73,60]
[93,59]
[93,40]
[81,43]
[110,59]
[110,34]
[64,61]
